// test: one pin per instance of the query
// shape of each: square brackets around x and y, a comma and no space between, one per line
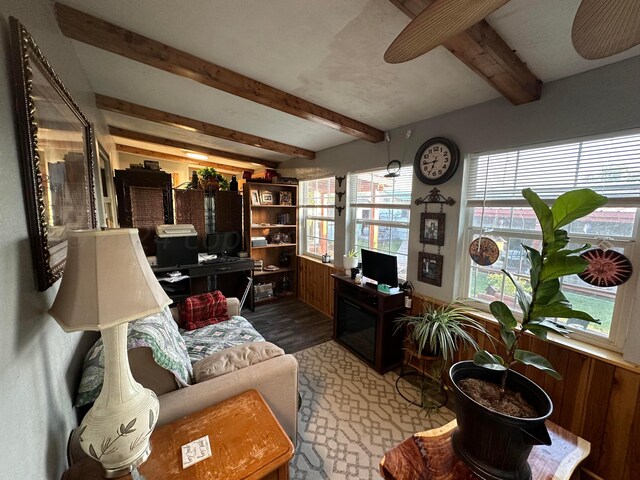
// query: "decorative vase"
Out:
[285,284]
[493,445]
[349,262]
[233,184]
[212,185]
[284,259]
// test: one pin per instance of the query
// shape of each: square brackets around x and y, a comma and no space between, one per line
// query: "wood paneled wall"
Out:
[596,399]
[315,285]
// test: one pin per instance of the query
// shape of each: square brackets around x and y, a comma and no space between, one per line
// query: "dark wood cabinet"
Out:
[363,322]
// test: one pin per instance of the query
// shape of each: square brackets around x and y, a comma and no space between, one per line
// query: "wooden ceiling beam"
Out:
[107,36]
[143,152]
[158,116]
[486,53]
[144,137]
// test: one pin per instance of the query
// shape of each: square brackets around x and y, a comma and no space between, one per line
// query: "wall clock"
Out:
[436,161]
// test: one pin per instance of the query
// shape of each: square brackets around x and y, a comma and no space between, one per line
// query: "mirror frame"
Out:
[48,262]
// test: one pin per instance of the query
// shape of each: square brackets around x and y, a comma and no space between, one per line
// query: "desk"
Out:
[247,443]
[198,275]
[429,455]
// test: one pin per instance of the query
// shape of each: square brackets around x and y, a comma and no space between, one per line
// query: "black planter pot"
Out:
[493,445]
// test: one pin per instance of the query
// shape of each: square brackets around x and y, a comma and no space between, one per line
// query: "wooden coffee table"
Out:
[247,443]
[429,455]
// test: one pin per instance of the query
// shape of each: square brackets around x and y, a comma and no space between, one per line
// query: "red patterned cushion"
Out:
[205,309]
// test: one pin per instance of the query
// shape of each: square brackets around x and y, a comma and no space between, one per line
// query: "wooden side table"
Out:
[247,443]
[429,456]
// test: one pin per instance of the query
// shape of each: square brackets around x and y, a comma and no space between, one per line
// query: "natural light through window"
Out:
[317,216]
[611,167]
[380,213]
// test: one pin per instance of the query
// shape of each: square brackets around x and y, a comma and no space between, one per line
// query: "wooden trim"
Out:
[485,52]
[144,137]
[143,152]
[173,120]
[107,36]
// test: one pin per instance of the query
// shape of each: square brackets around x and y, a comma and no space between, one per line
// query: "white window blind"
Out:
[609,166]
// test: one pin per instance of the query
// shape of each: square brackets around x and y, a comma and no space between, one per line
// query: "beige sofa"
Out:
[275,378]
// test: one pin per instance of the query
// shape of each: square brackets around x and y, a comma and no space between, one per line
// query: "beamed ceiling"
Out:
[253,83]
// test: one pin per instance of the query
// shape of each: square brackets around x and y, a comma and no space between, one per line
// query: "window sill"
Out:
[599,353]
[318,260]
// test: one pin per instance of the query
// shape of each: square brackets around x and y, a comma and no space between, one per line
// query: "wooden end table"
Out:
[247,443]
[429,455]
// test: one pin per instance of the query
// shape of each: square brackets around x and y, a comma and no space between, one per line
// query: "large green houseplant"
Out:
[211,177]
[505,454]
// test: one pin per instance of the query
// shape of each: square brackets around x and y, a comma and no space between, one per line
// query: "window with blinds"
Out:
[317,216]
[497,210]
[379,213]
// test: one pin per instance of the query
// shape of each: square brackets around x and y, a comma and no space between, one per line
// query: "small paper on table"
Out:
[195,451]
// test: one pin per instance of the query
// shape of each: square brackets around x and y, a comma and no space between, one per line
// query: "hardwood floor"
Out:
[291,324]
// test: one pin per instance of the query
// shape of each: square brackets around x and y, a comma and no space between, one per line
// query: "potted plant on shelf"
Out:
[432,338]
[350,260]
[212,179]
[496,430]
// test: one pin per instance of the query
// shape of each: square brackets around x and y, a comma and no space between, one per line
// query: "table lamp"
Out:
[107,282]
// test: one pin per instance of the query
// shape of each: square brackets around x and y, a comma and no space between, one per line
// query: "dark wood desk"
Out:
[429,455]
[247,443]
[199,275]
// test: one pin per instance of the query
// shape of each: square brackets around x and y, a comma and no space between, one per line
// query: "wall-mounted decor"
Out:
[432,228]
[436,161]
[286,198]
[430,268]
[58,154]
[607,268]
[340,180]
[266,197]
[484,251]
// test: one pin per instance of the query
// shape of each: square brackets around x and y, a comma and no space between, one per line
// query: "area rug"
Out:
[350,416]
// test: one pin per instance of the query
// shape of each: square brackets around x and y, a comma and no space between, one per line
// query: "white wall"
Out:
[39,363]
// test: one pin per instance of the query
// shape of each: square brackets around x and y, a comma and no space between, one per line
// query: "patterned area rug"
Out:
[350,416]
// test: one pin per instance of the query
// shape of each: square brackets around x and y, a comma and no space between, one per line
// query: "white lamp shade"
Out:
[107,281]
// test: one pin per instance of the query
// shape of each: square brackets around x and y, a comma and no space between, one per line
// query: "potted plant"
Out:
[432,338]
[350,260]
[212,179]
[496,431]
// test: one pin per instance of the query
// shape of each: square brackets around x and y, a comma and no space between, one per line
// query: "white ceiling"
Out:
[326,51]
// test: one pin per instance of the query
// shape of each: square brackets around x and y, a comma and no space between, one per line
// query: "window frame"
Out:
[302,217]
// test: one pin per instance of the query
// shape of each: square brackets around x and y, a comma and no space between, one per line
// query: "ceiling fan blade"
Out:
[437,23]
[602,28]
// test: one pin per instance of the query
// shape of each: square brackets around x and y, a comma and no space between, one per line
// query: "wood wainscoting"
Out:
[315,285]
[597,399]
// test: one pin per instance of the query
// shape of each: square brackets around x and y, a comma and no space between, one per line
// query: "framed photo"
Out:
[255,197]
[286,198]
[432,228]
[266,197]
[58,156]
[430,268]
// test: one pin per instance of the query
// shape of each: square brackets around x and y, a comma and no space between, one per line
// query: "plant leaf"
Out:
[535,360]
[503,314]
[547,325]
[524,299]
[536,264]
[563,311]
[560,240]
[542,211]
[485,359]
[547,292]
[508,337]
[575,204]
[538,331]
[558,265]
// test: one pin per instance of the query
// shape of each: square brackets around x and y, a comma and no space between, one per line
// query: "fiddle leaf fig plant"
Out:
[546,300]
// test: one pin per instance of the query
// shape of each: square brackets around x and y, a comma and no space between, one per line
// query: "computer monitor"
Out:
[224,243]
[380,267]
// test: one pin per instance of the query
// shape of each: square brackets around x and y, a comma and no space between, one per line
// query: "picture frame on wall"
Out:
[266,197]
[58,157]
[430,268]
[286,198]
[432,228]
[255,197]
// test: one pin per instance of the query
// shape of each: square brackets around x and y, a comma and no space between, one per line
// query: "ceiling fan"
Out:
[601,28]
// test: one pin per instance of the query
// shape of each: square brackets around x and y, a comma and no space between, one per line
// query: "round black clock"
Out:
[436,161]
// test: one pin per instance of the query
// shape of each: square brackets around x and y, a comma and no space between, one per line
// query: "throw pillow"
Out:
[202,310]
[158,332]
[234,358]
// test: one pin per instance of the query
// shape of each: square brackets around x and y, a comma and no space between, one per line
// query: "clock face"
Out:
[436,161]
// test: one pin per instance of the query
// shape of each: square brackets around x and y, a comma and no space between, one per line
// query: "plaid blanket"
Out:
[202,310]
